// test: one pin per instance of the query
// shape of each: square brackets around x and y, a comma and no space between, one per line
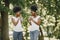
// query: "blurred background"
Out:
[49,10]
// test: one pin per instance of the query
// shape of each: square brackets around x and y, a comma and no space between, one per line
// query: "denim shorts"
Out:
[34,35]
[17,35]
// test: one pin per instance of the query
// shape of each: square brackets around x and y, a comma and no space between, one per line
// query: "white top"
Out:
[18,27]
[33,25]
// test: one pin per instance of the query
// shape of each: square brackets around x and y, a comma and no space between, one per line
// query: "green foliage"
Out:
[52,7]
[20,3]
[3,7]
[25,23]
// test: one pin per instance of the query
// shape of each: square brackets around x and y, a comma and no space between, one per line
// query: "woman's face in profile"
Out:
[33,13]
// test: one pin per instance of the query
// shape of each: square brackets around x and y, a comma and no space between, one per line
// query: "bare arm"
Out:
[38,22]
[29,21]
[15,22]
[21,19]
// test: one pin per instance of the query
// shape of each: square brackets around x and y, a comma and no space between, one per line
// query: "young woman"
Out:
[17,22]
[34,21]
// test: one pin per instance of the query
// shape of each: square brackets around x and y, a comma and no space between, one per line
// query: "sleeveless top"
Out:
[33,25]
[18,27]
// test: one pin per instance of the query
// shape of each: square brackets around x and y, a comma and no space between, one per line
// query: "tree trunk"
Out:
[4,33]
[4,17]
[0,26]
[41,37]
